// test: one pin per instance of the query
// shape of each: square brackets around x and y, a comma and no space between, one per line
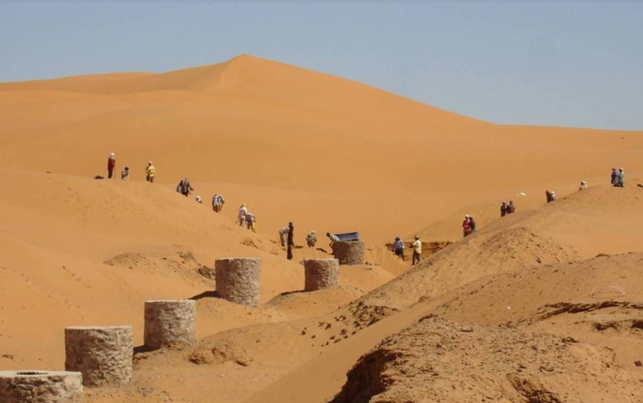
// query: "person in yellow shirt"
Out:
[417,250]
[149,172]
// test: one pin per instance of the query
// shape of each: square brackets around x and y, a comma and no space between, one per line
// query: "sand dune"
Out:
[362,154]
[331,155]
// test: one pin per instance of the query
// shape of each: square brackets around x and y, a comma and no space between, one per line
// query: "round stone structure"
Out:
[321,274]
[170,323]
[238,280]
[41,387]
[350,252]
[103,354]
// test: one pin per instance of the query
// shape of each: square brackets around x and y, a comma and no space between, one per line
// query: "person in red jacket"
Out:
[111,164]
[466,225]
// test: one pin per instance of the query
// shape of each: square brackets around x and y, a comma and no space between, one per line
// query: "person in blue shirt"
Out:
[398,245]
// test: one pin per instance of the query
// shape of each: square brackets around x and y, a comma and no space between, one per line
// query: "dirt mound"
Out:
[438,360]
[540,292]
[301,304]
[485,253]
[220,352]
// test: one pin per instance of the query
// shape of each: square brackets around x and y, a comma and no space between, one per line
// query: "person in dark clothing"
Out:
[111,164]
[184,187]
[511,208]
[503,209]
[614,177]
[550,195]
[291,236]
[472,225]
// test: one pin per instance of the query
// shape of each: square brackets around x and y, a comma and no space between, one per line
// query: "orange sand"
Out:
[330,155]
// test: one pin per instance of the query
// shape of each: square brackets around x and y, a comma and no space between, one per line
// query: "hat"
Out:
[417,237]
[149,162]
[620,169]
[111,154]
[313,232]
[467,216]
[243,204]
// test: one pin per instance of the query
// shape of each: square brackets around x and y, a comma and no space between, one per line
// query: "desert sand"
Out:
[540,306]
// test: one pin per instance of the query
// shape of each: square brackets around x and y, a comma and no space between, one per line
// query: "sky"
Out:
[554,63]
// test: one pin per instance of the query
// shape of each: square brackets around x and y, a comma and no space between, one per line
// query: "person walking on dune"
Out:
[311,239]
[614,177]
[150,171]
[199,200]
[291,240]
[583,186]
[111,164]
[185,187]
[472,225]
[511,208]
[398,246]
[466,226]
[621,178]
[250,222]
[503,209]
[283,236]
[550,195]
[243,210]
[125,174]
[217,203]
[417,251]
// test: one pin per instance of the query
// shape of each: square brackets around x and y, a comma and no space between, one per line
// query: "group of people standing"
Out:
[399,247]
[245,218]
[506,209]
[287,236]
[150,170]
[618,177]
[468,225]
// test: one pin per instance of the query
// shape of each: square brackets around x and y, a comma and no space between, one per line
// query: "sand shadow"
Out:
[142,349]
[324,250]
[205,294]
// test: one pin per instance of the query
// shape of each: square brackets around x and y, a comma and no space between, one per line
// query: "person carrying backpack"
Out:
[186,187]
[217,203]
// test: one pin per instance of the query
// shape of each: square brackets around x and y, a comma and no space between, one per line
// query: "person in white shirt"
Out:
[243,211]
[417,250]
[283,236]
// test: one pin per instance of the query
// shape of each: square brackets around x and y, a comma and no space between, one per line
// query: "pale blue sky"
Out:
[575,63]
